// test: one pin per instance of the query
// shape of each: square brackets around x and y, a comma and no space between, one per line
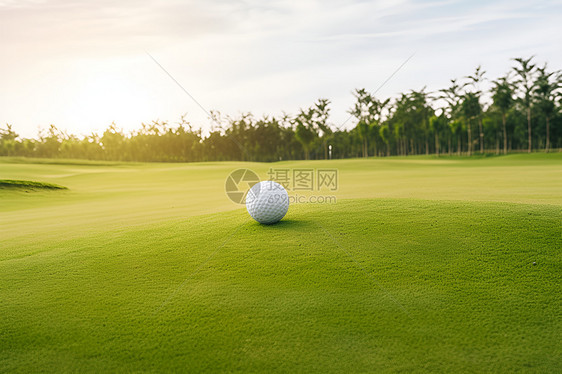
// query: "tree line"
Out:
[521,111]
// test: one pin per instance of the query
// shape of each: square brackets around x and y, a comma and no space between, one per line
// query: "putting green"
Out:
[423,264]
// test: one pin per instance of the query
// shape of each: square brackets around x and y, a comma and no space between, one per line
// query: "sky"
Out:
[82,65]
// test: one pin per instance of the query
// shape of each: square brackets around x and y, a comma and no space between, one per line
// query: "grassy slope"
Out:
[122,272]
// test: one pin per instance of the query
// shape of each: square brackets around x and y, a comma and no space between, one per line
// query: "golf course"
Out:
[416,264]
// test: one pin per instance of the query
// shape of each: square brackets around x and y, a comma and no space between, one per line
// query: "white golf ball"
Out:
[267,202]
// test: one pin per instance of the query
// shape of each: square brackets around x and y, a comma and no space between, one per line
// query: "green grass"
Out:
[423,265]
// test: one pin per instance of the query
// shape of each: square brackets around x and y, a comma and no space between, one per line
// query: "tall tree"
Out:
[8,133]
[471,110]
[546,91]
[376,122]
[526,84]
[438,124]
[421,111]
[502,96]
[305,131]
[385,134]
[8,141]
[456,129]
[321,114]
[453,97]
[50,142]
[368,112]
[360,112]
[113,143]
[474,82]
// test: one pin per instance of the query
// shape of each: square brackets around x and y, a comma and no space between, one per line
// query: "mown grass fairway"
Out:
[423,264]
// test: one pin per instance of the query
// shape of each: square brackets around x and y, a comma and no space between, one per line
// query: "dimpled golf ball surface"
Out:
[267,202]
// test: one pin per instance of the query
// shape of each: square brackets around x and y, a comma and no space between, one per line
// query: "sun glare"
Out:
[105,96]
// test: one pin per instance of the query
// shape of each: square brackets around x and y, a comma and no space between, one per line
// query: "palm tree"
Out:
[545,95]
[525,72]
[452,96]
[368,111]
[7,140]
[321,113]
[400,136]
[360,112]
[456,129]
[422,111]
[474,82]
[502,95]
[471,110]
[437,125]
[305,131]
[384,133]
[376,120]
[363,130]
